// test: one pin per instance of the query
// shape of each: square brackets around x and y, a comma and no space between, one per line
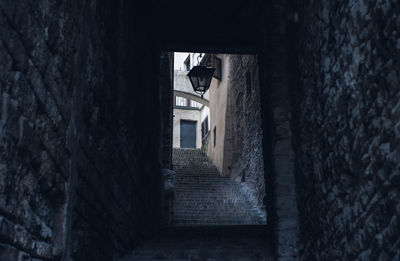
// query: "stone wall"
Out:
[71,155]
[166,89]
[244,133]
[277,85]
[349,130]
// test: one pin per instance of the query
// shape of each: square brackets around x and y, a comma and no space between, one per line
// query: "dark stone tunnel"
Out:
[85,123]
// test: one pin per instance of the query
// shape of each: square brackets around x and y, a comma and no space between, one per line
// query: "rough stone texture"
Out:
[35,86]
[279,157]
[244,132]
[80,127]
[71,155]
[349,130]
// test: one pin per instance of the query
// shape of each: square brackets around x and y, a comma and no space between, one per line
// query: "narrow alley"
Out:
[296,157]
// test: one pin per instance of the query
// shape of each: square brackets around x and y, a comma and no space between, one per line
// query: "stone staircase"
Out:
[217,243]
[211,219]
[204,198]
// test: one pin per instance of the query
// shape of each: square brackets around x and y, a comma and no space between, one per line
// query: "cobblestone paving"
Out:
[203,197]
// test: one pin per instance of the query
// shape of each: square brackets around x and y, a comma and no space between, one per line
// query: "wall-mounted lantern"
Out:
[200,77]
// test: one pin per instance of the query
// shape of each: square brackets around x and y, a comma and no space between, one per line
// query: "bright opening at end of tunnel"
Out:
[218,170]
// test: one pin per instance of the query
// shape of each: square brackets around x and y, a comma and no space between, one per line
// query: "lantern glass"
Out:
[200,77]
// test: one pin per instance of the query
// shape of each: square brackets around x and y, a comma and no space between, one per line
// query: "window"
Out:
[208,61]
[214,62]
[248,84]
[180,101]
[218,69]
[184,102]
[204,128]
[187,63]
[215,136]
[195,104]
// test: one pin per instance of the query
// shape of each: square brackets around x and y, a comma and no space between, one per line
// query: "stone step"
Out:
[203,197]
[217,243]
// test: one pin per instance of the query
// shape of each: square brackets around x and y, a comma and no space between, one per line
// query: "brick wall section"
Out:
[244,134]
[72,157]
[349,130]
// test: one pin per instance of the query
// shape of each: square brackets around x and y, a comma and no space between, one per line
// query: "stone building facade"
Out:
[243,149]
[236,146]
[71,160]
[347,124]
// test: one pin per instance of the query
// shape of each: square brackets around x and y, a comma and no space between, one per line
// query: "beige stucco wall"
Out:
[184,114]
[218,102]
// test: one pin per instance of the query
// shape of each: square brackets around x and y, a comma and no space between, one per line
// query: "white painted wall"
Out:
[182,114]
[179,59]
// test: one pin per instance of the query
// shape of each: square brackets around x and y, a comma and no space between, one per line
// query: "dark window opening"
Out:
[215,62]
[215,136]
[218,70]
[187,63]
[204,128]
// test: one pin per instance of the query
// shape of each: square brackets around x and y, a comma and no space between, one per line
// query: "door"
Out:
[188,134]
